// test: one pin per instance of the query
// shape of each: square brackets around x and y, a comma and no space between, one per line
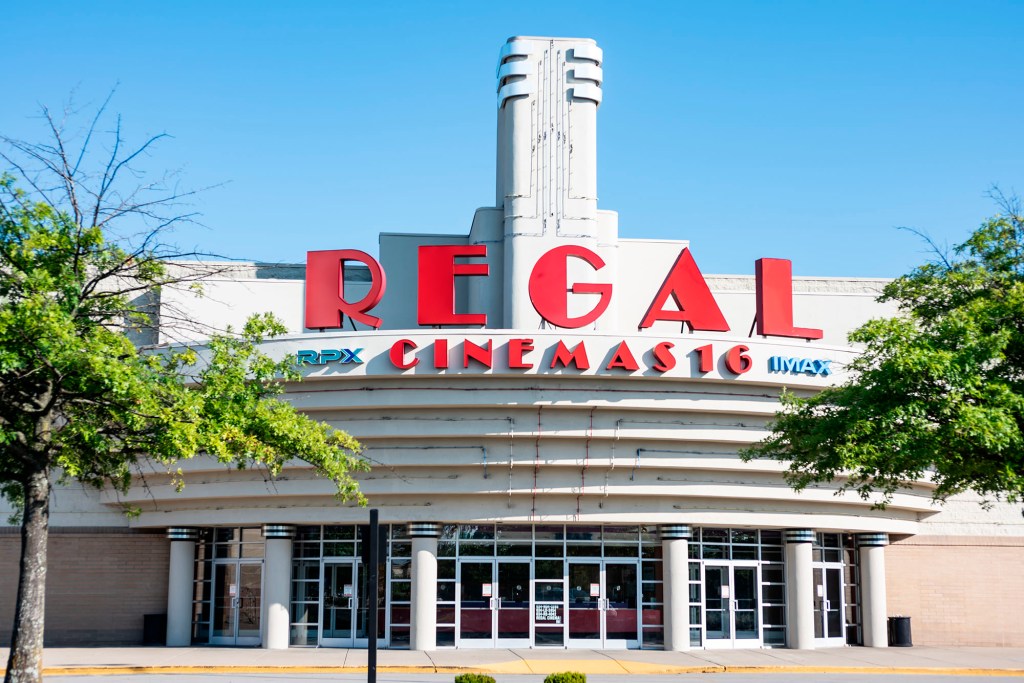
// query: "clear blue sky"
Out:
[802,130]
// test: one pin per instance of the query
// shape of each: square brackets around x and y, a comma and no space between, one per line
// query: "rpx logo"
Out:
[325,356]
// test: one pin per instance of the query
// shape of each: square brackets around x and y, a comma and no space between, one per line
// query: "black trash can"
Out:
[899,632]
[154,629]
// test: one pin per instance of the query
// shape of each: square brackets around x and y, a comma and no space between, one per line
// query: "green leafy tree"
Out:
[938,391]
[79,399]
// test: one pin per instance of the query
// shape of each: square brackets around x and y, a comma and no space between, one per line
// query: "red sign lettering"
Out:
[436,286]
[517,348]
[696,305]
[398,351]
[325,289]
[773,279]
[578,356]
[623,358]
[549,286]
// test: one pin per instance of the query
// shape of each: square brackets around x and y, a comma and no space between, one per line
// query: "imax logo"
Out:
[325,356]
[795,365]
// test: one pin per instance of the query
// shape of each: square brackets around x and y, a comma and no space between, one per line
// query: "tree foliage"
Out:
[81,258]
[937,392]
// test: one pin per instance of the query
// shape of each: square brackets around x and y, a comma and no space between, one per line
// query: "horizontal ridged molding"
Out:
[278,531]
[672,532]
[799,535]
[872,540]
[178,533]
[424,530]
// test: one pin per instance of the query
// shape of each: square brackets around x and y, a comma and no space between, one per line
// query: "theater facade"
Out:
[553,416]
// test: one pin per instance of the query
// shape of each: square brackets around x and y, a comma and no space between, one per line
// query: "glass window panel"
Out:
[583,533]
[252,535]
[816,554]
[649,534]
[306,550]
[305,612]
[652,592]
[775,592]
[548,569]
[309,571]
[518,549]
[695,615]
[446,569]
[446,591]
[650,551]
[771,553]
[340,533]
[401,590]
[744,552]
[831,541]
[694,571]
[400,614]
[653,615]
[225,535]
[772,573]
[225,550]
[833,555]
[446,548]
[620,550]
[715,552]
[400,636]
[445,636]
[715,535]
[694,592]
[653,639]
[774,616]
[515,532]
[744,535]
[476,532]
[548,550]
[307,533]
[579,550]
[201,632]
[343,549]
[695,637]
[693,550]
[549,533]
[401,569]
[252,550]
[652,571]
[771,537]
[775,636]
[548,591]
[445,614]
[476,549]
[621,533]
[552,637]
[401,549]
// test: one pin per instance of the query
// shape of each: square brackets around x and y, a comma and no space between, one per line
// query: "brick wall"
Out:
[965,591]
[99,584]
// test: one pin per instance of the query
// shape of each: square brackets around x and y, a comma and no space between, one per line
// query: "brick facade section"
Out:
[958,591]
[98,587]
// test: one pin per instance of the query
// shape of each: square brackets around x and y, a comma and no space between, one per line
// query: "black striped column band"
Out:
[278,531]
[178,533]
[673,532]
[424,530]
[799,536]
[872,540]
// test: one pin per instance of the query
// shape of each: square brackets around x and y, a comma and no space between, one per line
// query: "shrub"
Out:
[566,677]
[474,678]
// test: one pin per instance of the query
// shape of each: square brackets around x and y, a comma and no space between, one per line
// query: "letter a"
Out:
[697,306]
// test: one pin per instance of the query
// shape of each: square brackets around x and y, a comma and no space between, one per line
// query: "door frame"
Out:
[732,642]
[495,641]
[234,640]
[825,567]
[603,641]
[357,574]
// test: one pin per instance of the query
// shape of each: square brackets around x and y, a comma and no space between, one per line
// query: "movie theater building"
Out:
[553,415]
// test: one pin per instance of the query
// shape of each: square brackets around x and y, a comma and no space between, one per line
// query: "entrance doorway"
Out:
[494,603]
[237,602]
[829,629]
[603,599]
[344,606]
[731,605]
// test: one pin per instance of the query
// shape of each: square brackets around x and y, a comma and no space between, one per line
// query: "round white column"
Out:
[872,588]
[277,583]
[423,620]
[799,589]
[675,554]
[180,575]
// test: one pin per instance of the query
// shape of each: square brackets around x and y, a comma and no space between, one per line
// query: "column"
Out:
[799,589]
[872,588]
[180,575]
[423,620]
[675,552]
[277,584]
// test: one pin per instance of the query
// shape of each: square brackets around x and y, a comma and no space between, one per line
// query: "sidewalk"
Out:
[946,661]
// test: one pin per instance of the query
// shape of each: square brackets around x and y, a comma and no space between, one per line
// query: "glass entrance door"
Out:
[343,622]
[828,605]
[603,604]
[494,603]
[237,603]
[732,605]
